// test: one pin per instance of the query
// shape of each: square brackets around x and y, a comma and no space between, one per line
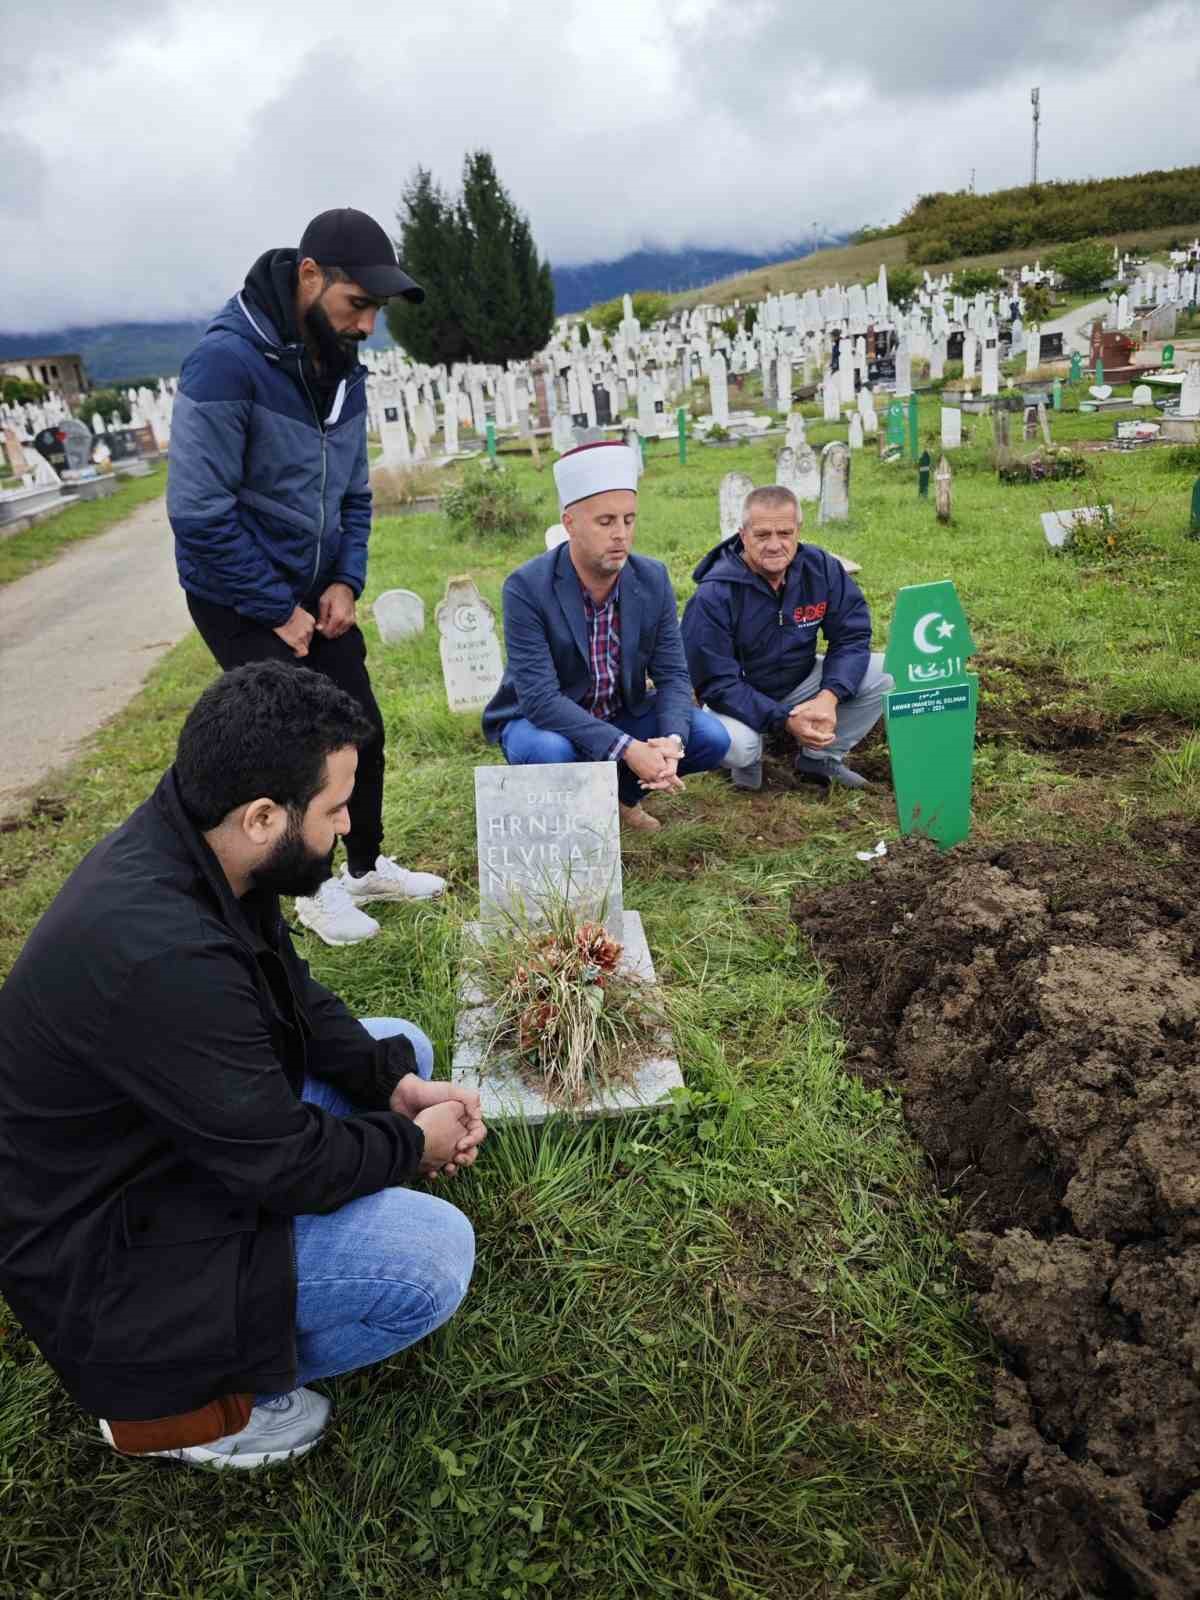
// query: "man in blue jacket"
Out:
[270,502]
[750,632]
[584,625]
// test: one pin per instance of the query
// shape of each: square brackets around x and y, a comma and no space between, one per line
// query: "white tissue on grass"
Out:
[870,855]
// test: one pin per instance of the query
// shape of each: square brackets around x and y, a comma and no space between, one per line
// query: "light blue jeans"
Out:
[384,1270]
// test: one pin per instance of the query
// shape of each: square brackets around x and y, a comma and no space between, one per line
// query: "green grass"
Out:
[45,540]
[720,1352]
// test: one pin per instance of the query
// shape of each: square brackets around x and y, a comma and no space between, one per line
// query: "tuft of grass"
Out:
[566,1011]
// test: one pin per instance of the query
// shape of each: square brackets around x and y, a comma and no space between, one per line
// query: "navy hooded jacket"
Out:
[268,492]
[748,645]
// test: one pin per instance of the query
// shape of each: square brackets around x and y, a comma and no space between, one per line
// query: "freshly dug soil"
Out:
[1039,1009]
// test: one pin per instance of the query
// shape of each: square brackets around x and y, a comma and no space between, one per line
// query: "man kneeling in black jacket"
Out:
[202,1152]
[750,633]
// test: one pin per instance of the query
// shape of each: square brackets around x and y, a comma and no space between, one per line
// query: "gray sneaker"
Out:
[281,1429]
[827,772]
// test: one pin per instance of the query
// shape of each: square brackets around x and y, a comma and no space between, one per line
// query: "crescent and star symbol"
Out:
[921,633]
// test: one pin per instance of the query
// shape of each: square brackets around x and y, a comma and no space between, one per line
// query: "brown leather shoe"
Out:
[638,818]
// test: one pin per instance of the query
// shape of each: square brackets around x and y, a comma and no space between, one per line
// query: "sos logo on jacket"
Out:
[809,614]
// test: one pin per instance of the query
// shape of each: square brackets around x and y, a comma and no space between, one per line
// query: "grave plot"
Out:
[1038,1007]
[559,1009]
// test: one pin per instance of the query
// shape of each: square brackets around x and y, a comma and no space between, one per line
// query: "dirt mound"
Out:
[1040,1010]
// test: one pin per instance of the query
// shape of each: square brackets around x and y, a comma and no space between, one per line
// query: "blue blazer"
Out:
[548,675]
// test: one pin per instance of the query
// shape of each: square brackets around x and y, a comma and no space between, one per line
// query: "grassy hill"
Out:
[859,263]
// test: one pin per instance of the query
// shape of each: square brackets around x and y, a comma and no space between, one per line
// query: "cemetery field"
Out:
[727,1351]
[859,263]
[23,552]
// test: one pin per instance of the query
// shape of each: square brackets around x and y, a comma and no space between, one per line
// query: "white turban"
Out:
[594,469]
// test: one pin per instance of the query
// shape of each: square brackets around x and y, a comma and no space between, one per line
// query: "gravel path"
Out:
[77,640]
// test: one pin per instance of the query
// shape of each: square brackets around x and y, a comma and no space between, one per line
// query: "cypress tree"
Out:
[488,297]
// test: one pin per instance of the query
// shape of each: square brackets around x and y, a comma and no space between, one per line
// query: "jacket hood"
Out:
[724,564]
[264,310]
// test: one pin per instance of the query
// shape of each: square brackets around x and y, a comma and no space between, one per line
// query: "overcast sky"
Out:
[150,150]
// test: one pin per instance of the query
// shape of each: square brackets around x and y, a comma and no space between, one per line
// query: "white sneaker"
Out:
[279,1430]
[391,882]
[333,916]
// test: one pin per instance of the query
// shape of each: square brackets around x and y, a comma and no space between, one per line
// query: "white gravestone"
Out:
[718,388]
[556,534]
[795,430]
[548,833]
[735,486]
[1189,394]
[951,428]
[808,474]
[471,661]
[393,435]
[835,483]
[1058,526]
[1142,395]
[856,431]
[399,613]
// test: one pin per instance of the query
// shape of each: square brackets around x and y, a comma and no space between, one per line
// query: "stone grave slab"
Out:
[471,662]
[549,829]
[399,613]
[505,1095]
[1058,525]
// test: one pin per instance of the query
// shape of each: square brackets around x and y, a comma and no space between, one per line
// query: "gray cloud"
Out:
[685,122]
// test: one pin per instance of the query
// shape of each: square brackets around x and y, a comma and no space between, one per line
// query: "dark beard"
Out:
[336,353]
[292,868]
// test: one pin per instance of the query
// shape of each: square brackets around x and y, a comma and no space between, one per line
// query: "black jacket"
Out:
[748,645]
[154,1036]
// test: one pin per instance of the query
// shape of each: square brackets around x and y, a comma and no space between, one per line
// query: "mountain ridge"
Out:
[116,352]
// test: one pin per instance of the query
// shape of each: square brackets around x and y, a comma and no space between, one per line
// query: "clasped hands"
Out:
[336,613]
[814,723]
[655,762]
[450,1118]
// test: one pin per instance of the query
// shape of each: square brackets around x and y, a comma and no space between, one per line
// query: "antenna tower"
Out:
[1036,96]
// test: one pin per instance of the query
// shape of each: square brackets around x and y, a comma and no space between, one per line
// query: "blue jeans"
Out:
[383,1271]
[524,745]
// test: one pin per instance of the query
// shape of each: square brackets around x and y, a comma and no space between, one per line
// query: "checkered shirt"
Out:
[604,663]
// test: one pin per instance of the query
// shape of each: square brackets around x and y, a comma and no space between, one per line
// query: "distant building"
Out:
[62,372]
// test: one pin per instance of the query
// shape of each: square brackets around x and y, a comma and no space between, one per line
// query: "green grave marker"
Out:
[491,440]
[912,426]
[1076,367]
[681,419]
[895,425]
[1195,528]
[1056,394]
[1099,372]
[1168,356]
[930,714]
[923,467]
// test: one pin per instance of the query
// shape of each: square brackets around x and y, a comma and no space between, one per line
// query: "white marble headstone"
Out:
[835,483]
[735,486]
[549,832]
[399,613]
[471,662]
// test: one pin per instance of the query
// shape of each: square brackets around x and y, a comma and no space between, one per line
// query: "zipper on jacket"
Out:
[321,429]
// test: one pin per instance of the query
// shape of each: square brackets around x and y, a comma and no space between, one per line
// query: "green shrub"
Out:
[1049,466]
[488,504]
[105,401]
[1083,266]
[1111,536]
[976,280]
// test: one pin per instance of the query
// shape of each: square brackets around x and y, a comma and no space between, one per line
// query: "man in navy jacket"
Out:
[584,626]
[270,503]
[750,632]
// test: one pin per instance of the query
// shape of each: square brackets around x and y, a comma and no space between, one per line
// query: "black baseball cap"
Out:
[355,242]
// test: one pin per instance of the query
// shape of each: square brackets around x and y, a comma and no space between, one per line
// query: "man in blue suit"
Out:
[585,625]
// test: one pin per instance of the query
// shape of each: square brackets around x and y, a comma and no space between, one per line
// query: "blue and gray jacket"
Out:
[268,492]
[748,645]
